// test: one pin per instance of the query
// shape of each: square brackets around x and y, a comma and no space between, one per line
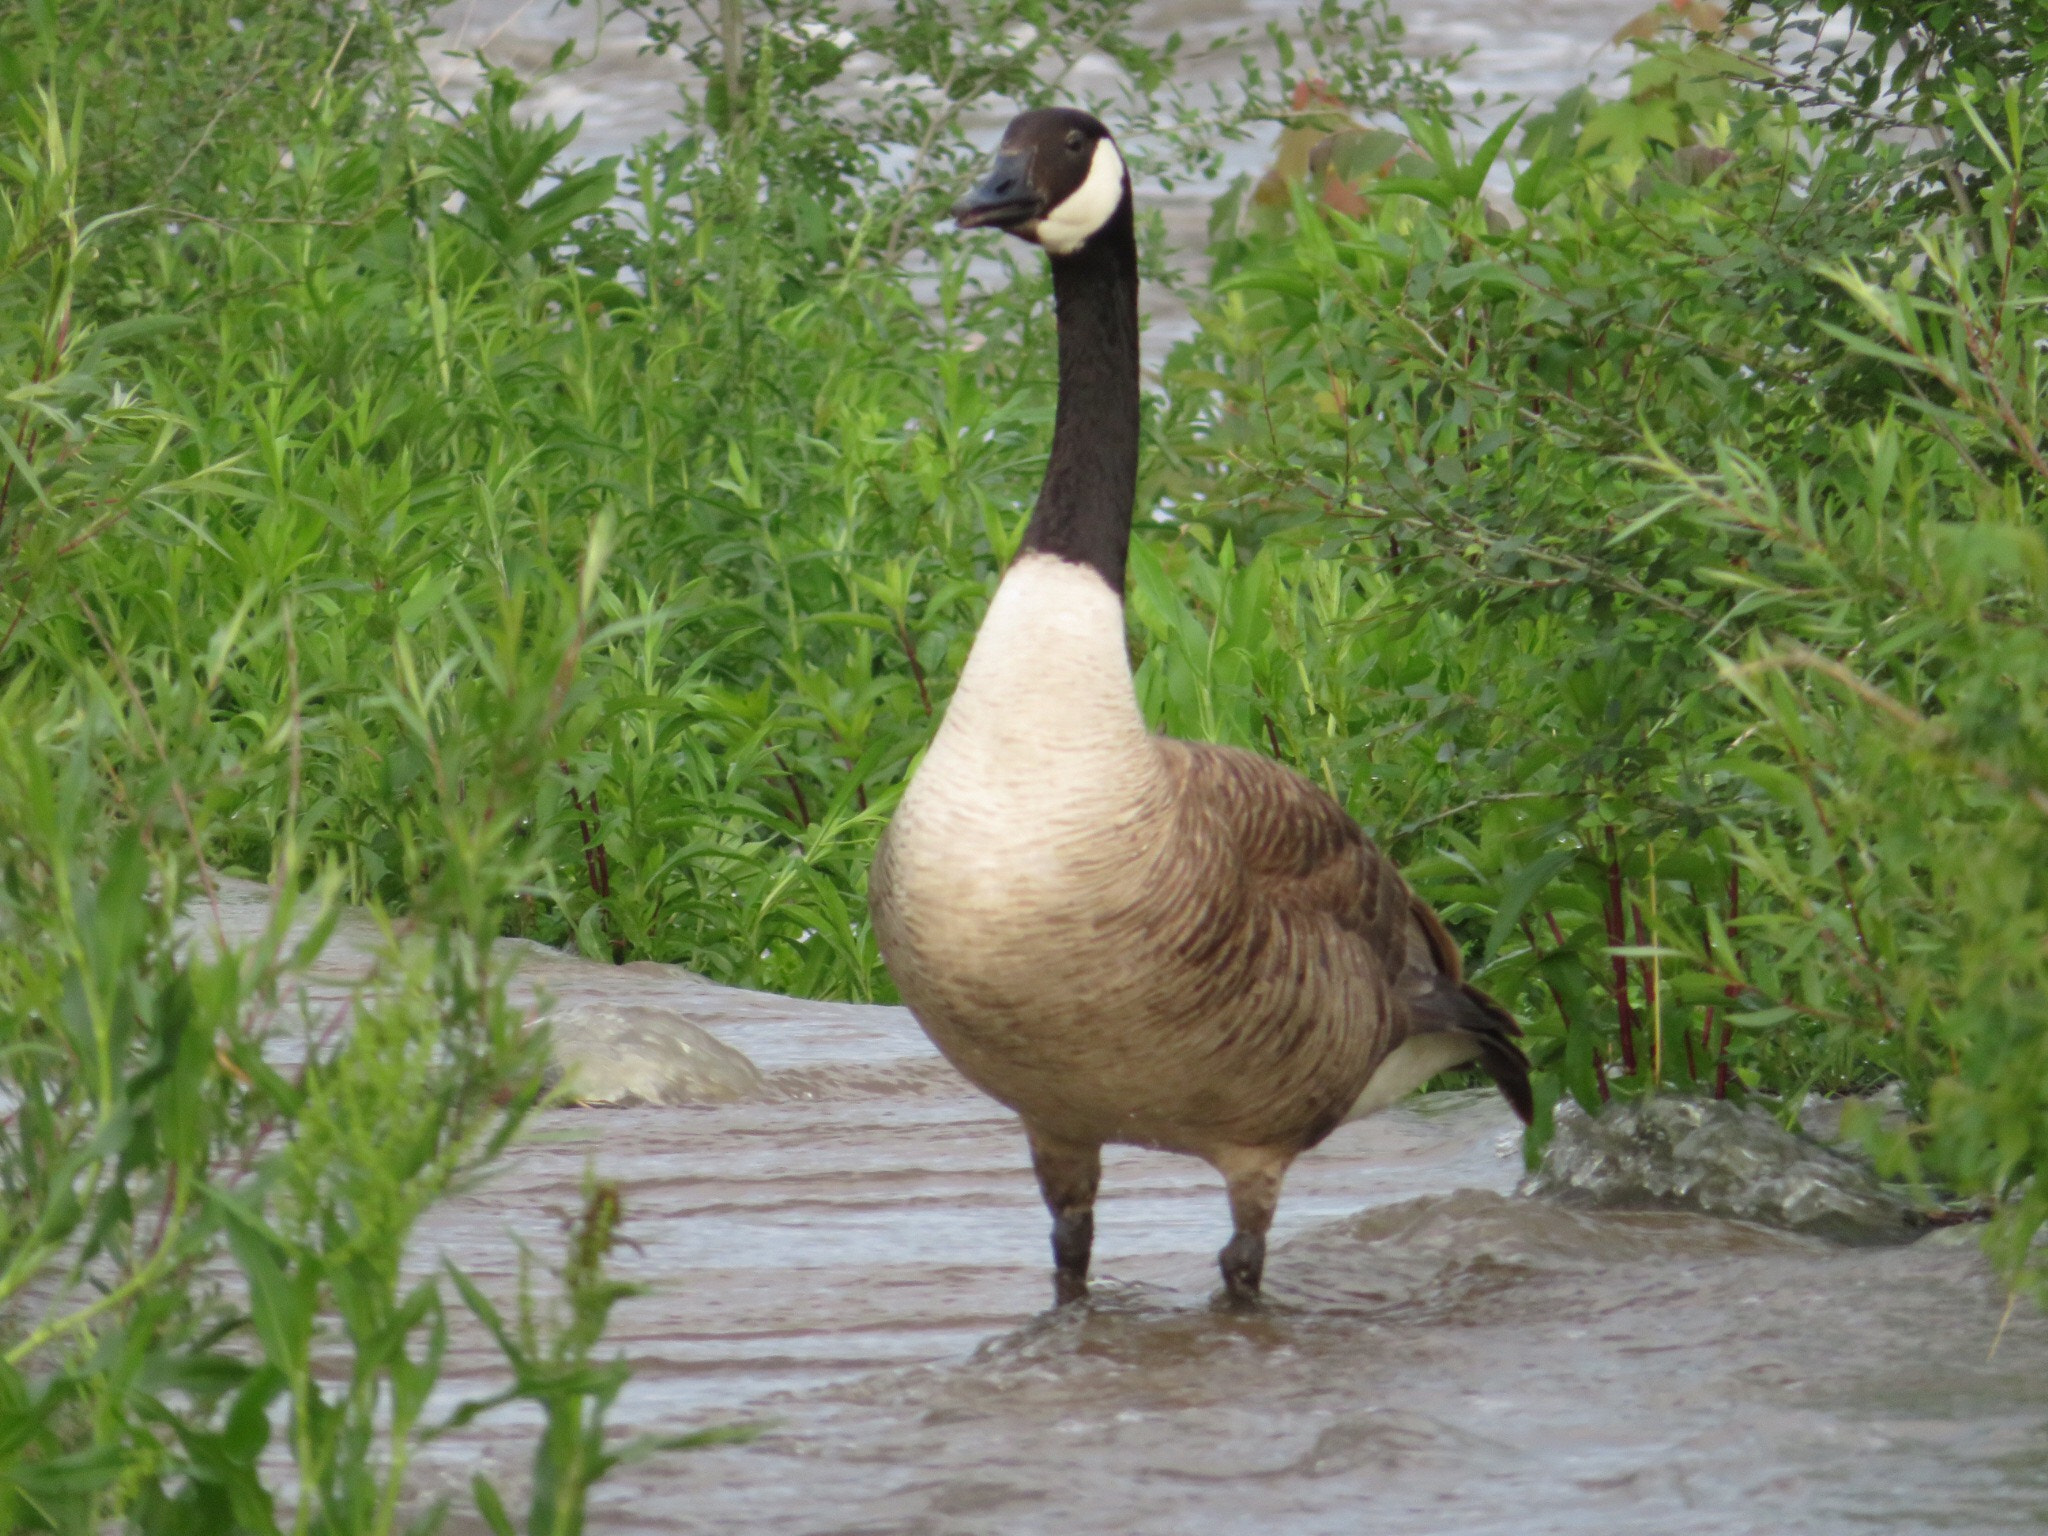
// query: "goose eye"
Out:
[1075,138]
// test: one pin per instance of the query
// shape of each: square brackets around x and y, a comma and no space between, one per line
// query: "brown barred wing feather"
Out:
[1301,852]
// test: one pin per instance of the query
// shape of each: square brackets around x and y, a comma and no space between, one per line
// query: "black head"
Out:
[1057,180]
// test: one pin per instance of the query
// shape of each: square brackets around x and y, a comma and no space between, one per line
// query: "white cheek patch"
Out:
[1088,207]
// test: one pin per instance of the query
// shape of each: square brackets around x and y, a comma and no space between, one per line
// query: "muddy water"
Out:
[854,1257]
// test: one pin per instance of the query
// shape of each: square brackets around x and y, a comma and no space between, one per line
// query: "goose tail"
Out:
[1462,1009]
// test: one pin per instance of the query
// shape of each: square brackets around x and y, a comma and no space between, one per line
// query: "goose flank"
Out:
[1124,937]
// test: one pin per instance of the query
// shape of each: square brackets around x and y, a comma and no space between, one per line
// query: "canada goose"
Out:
[1121,936]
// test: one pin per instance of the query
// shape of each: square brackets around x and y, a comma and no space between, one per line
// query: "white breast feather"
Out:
[1042,746]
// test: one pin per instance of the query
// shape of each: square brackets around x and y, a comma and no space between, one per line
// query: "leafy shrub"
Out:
[1661,572]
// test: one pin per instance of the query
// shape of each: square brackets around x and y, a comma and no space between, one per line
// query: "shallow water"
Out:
[864,1269]
[855,1257]
[865,1272]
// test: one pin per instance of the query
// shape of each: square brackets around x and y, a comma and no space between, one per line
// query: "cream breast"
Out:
[1041,783]
[1042,744]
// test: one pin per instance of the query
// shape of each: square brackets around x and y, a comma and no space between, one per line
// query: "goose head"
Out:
[1057,182]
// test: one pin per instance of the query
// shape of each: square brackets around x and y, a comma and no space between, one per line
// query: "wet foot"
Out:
[1243,1262]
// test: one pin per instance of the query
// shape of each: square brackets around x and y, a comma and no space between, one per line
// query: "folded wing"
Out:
[1302,853]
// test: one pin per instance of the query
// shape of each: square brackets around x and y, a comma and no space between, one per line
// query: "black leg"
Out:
[1067,1177]
[1243,1262]
[1254,1175]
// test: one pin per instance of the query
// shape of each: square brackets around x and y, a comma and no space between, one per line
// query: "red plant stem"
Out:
[590,865]
[1564,1014]
[924,694]
[1617,936]
[1646,972]
[796,790]
[603,882]
[1707,1044]
[597,865]
[601,854]
[1731,991]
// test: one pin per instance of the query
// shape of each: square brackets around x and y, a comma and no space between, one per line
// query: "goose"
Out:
[1124,937]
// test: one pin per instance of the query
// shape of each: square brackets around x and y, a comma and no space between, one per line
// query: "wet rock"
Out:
[1719,1159]
[622,1055]
[620,1034]
[1821,1117]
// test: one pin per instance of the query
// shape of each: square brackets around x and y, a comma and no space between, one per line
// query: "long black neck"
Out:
[1084,507]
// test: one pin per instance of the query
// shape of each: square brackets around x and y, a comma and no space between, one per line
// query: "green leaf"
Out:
[490,1506]
[1520,890]
[280,1300]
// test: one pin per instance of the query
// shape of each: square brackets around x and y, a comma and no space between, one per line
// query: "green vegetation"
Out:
[395,509]
[1663,573]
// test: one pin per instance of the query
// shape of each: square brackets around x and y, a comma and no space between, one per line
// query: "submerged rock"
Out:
[1719,1159]
[619,1034]
[620,1055]
[1821,1116]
